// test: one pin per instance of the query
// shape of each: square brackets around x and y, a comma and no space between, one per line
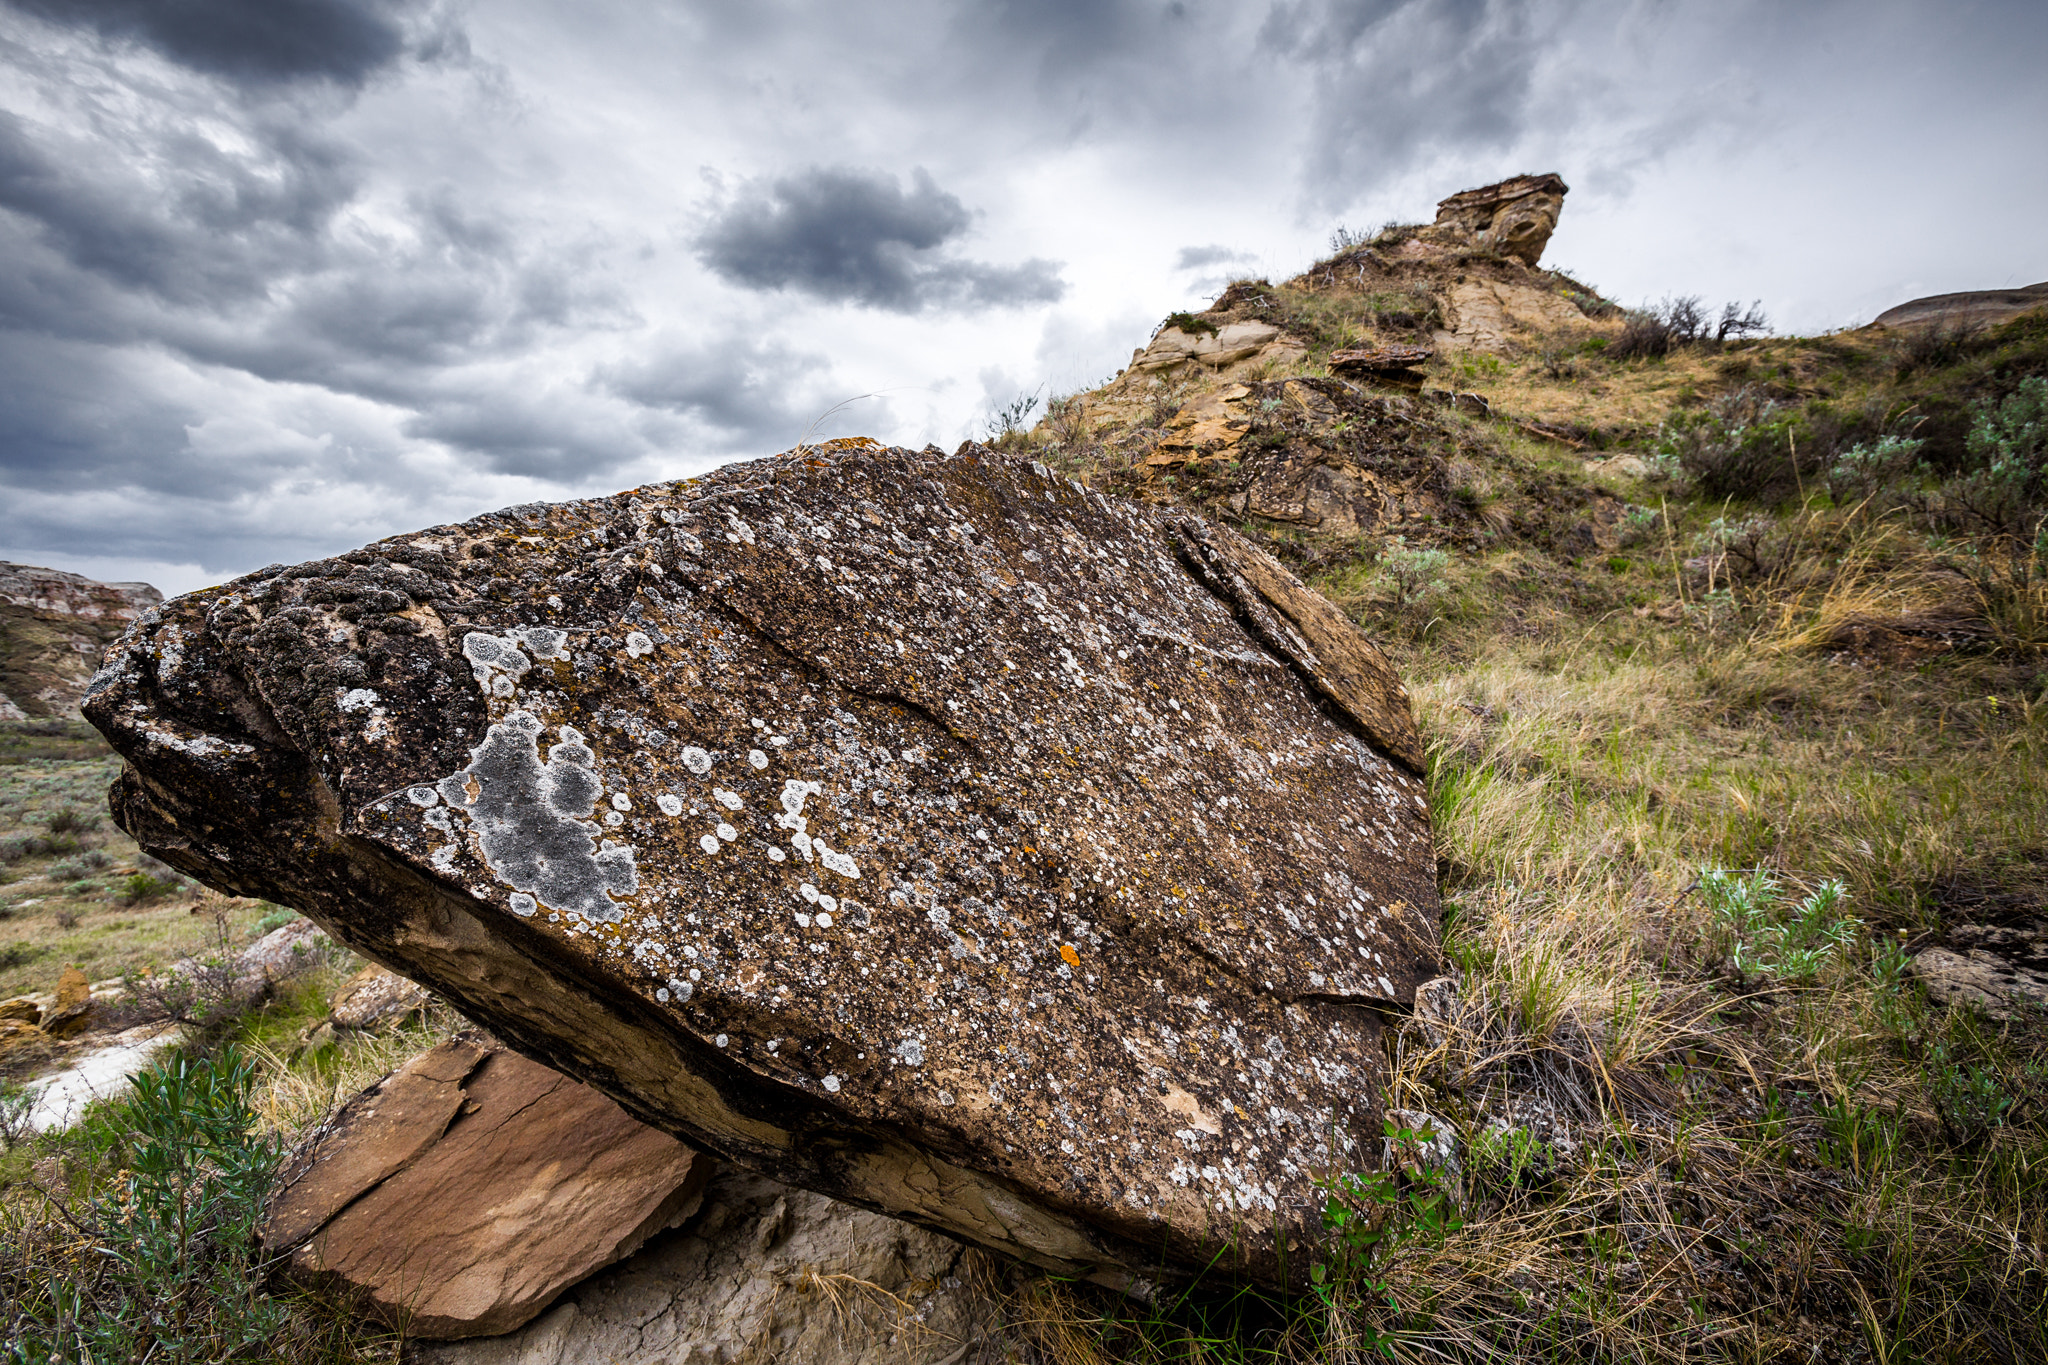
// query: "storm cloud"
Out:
[281,276]
[261,41]
[854,236]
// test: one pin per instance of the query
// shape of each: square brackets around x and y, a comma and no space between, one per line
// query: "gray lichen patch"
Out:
[532,820]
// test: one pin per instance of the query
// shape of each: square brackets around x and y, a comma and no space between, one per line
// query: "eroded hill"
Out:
[1727,649]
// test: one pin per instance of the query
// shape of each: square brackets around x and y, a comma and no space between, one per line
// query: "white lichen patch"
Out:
[543,642]
[496,663]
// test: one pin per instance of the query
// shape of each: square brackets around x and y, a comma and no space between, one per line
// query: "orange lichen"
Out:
[1069,956]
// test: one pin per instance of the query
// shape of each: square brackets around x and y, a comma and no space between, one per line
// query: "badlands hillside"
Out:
[1728,651]
[1709,1023]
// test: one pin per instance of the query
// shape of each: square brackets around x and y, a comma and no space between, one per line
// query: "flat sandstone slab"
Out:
[463,1193]
[928,831]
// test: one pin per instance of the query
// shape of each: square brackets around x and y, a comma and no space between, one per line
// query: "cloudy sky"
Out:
[278,277]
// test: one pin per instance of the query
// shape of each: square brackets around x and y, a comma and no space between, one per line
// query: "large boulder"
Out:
[928,831]
[464,1192]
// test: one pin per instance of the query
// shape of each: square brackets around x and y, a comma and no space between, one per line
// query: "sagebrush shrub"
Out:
[1742,445]
[156,1261]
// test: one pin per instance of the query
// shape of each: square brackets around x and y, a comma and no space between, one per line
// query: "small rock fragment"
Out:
[73,1007]
[376,996]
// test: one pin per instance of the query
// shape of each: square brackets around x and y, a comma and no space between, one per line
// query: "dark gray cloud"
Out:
[344,41]
[183,219]
[853,236]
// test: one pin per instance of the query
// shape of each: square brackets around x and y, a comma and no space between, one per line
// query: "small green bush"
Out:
[140,887]
[1742,445]
[1368,1217]
[1415,572]
[1764,936]
[155,1260]
[70,820]
[1867,469]
[277,918]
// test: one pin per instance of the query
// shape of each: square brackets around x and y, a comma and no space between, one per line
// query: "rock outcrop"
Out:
[1223,347]
[53,626]
[1974,308]
[1489,315]
[1514,217]
[463,1193]
[375,997]
[74,1005]
[927,831]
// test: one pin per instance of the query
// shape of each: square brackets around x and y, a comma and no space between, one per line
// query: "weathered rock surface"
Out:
[927,831]
[1378,359]
[1227,345]
[1210,424]
[1514,217]
[73,1007]
[1374,481]
[463,1193]
[285,951]
[1973,308]
[53,626]
[374,997]
[1485,315]
[2000,969]
[763,1272]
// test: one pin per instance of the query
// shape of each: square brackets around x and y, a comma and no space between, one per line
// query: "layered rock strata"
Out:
[1974,308]
[1514,217]
[928,831]
[53,626]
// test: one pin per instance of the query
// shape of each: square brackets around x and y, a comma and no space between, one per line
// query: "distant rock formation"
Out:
[1975,308]
[1514,217]
[53,626]
[929,831]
